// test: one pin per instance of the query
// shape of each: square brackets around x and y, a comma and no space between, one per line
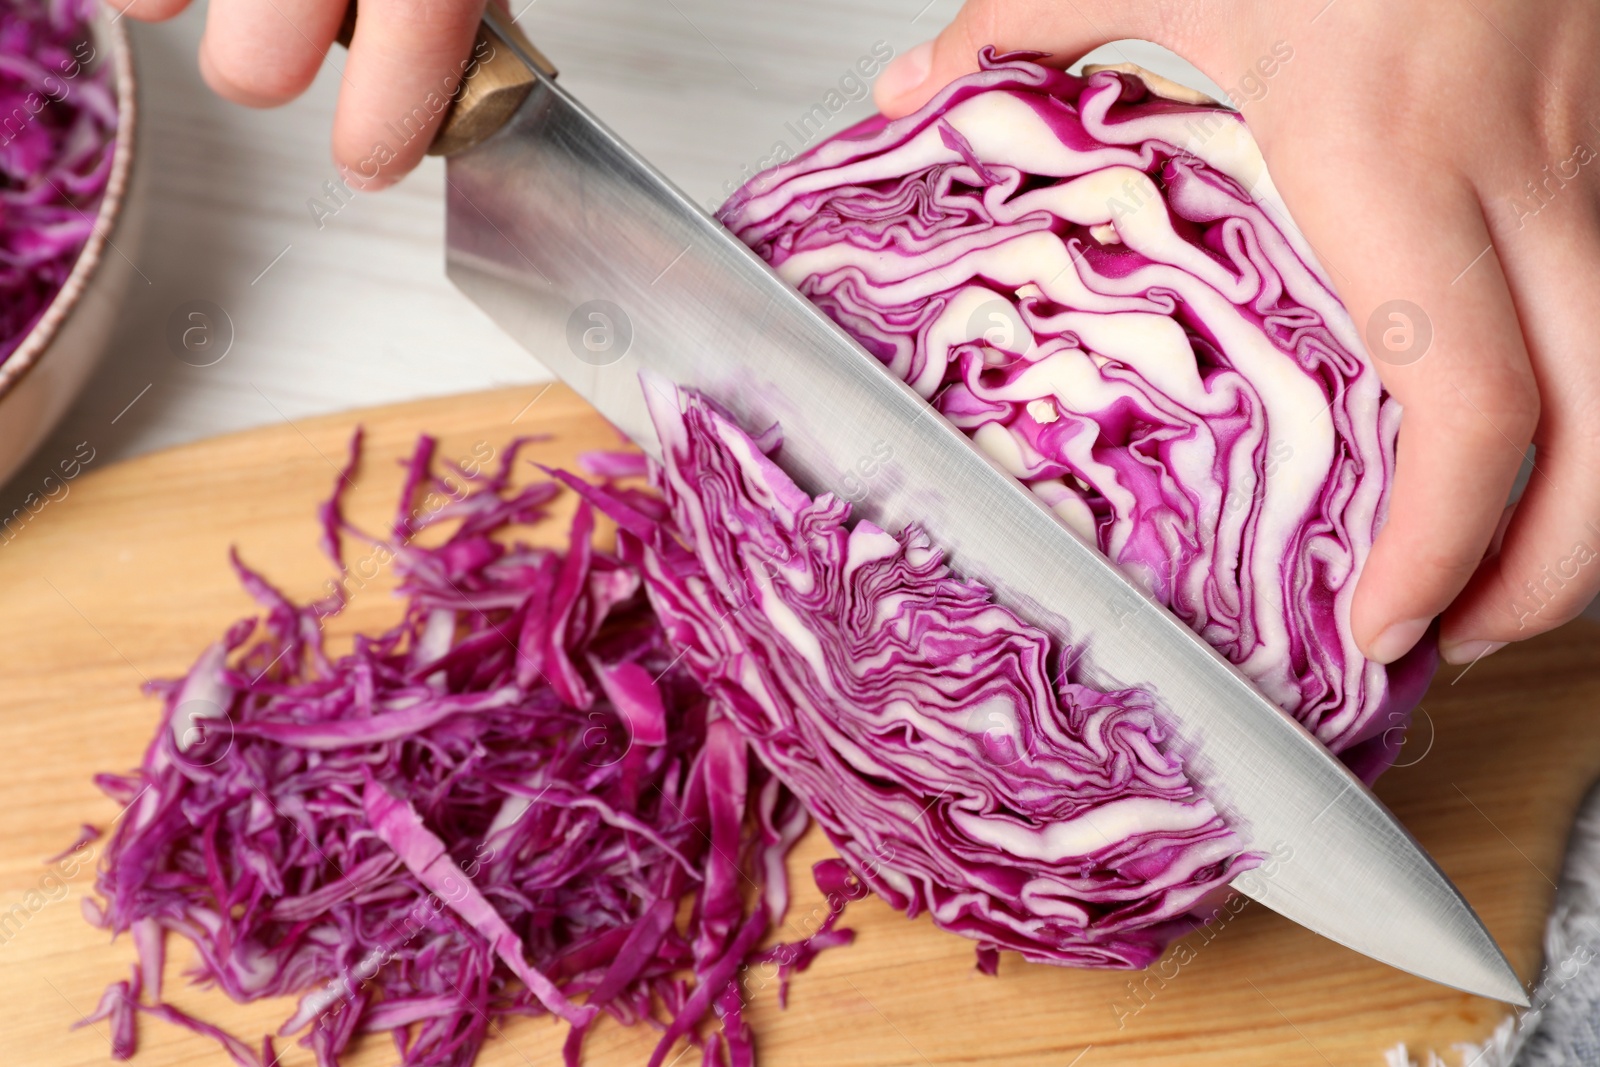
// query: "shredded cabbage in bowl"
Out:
[58,125]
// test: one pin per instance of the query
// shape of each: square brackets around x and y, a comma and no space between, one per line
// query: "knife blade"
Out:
[602,269]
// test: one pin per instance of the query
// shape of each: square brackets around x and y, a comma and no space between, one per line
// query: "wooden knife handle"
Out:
[493,86]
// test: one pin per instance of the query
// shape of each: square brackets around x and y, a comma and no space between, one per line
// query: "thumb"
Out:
[1065,31]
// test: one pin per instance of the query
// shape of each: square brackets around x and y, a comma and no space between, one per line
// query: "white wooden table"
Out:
[358,310]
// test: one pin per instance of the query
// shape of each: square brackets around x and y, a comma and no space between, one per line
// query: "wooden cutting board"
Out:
[125,578]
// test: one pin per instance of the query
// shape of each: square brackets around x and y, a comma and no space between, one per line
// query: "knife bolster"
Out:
[494,86]
[495,83]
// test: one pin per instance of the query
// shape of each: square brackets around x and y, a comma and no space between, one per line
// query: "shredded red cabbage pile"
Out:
[517,801]
[1103,289]
[58,123]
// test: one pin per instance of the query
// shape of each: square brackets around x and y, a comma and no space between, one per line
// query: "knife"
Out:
[603,270]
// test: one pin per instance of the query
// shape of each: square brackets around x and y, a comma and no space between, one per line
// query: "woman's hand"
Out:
[1441,154]
[406,58]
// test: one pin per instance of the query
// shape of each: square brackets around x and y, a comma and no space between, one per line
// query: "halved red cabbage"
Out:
[498,807]
[936,737]
[58,123]
[1103,289]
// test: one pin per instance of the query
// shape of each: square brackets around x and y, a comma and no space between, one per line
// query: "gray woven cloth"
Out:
[1561,1028]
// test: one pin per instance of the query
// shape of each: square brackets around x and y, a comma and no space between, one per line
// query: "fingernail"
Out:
[1397,640]
[1460,652]
[906,72]
[363,182]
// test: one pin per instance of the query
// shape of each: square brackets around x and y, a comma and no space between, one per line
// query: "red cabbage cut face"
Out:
[1102,288]
[926,728]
